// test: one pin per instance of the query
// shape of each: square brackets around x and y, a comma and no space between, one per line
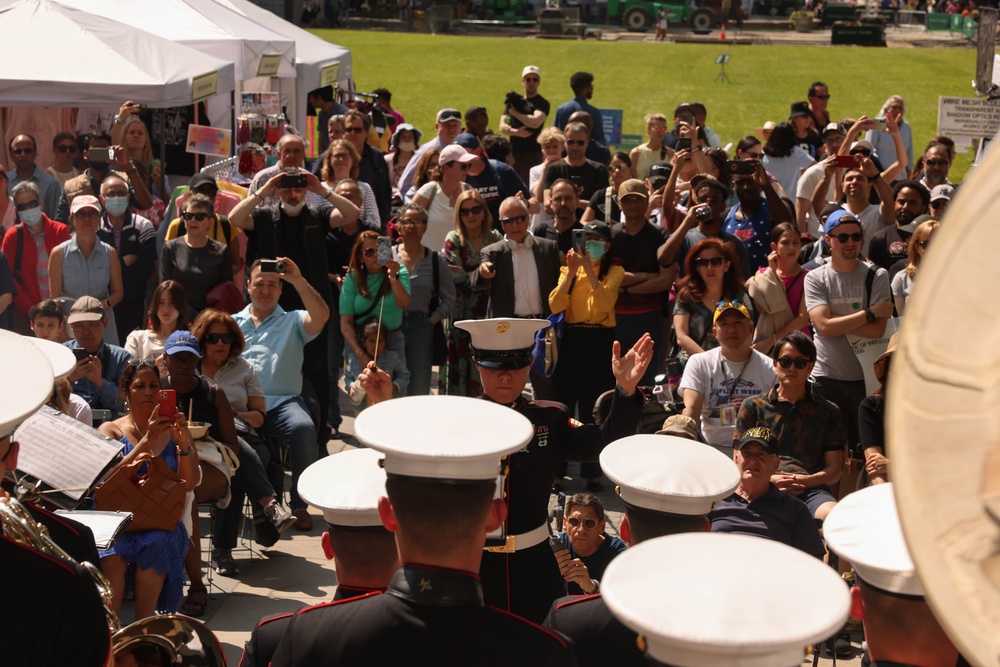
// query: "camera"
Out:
[703,213]
[516,102]
[741,167]
[272,266]
[293,180]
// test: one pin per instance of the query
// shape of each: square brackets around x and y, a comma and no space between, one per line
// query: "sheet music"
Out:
[62,452]
[106,526]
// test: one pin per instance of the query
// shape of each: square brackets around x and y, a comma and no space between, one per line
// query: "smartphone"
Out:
[741,167]
[168,403]
[879,123]
[272,266]
[686,118]
[383,251]
[580,240]
[99,154]
[556,545]
[293,181]
[683,144]
[848,161]
[80,354]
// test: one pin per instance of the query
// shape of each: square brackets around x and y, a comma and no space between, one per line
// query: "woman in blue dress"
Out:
[157,554]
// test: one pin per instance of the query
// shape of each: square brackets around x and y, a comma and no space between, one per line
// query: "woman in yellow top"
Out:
[587,292]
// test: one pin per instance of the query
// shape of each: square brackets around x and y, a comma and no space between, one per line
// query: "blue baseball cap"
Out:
[468,141]
[182,341]
[837,218]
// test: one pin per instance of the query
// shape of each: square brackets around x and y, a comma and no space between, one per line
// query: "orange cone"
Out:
[722,35]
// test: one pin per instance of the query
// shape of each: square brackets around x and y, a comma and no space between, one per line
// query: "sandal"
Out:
[195,601]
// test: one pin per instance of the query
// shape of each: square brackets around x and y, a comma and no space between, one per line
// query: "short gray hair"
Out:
[515,200]
[420,210]
[22,187]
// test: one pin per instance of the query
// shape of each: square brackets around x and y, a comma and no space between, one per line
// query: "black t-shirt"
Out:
[871,422]
[529,144]
[812,143]
[496,182]
[637,254]
[591,176]
[564,240]
[338,255]
[599,203]
[888,246]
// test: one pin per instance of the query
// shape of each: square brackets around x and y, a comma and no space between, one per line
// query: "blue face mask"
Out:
[116,205]
[595,249]
[31,216]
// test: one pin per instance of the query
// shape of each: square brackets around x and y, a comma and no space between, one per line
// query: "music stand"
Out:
[721,60]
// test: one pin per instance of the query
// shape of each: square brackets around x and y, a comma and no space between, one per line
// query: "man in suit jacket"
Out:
[521,271]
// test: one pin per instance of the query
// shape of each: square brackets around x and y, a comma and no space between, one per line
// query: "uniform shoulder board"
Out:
[278,617]
[331,603]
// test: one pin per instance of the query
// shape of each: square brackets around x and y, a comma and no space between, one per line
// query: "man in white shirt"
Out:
[715,382]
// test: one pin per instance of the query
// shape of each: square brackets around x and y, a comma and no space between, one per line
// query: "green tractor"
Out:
[639,15]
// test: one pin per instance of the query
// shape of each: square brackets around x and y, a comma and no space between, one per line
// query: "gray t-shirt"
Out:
[844,293]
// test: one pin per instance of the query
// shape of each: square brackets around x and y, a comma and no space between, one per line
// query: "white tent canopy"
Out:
[312,55]
[203,25]
[117,61]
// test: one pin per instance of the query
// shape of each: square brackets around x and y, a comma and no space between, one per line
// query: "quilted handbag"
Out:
[147,488]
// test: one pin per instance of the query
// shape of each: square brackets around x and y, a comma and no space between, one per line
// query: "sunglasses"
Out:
[936,163]
[588,523]
[23,151]
[516,220]
[576,142]
[354,130]
[27,206]
[66,148]
[702,262]
[844,238]
[148,361]
[861,151]
[822,97]
[532,79]
[786,362]
[215,339]
[199,216]
[924,244]
[472,210]
[369,252]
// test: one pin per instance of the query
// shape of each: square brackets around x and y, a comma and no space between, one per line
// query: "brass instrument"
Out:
[171,639]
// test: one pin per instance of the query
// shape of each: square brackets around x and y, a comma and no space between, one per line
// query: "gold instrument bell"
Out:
[171,639]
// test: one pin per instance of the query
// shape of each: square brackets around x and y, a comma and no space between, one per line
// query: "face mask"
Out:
[292,210]
[116,205]
[406,146]
[31,217]
[595,249]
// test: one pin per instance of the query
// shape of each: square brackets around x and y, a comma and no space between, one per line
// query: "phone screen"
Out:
[579,240]
[683,144]
[383,252]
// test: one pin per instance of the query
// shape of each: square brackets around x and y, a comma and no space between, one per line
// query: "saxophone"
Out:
[171,639]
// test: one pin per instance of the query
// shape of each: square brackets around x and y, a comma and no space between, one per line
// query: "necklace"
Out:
[136,426]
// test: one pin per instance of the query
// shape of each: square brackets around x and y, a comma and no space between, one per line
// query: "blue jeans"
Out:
[292,422]
[418,334]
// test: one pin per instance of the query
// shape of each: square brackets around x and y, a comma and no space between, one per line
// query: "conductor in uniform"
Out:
[51,611]
[668,485]
[522,576]
[346,487]
[441,501]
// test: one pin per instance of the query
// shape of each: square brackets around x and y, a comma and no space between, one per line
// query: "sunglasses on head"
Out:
[26,206]
[844,238]
[588,523]
[472,210]
[215,339]
[449,115]
[148,361]
[66,148]
[702,262]
[199,216]
[515,220]
[786,362]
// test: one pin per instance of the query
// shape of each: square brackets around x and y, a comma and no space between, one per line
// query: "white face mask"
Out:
[292,209]
[31,217]
[406,146]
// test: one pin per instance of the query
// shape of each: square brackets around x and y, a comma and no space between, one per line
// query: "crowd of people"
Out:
[753,266]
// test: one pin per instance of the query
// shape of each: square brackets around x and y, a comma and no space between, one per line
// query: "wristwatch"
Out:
[869,315]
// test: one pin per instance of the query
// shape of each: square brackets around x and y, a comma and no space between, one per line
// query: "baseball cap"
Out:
[199,180]
[182,341]
[633,187]
[799,109]
[917,221]
[943,191]
[502,344]
[85,309]
[598,228]
[530,69]
[468,141]
[447,115]
[834,127]
[837,218]
[81,202]
[698,181]
[659,172]
[762,436]
[454,153]
[866,145]
[723,306]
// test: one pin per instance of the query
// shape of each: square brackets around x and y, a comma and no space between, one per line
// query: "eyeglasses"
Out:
[354,130]
[411,223]
[148,361]
[786,362]
[199,216]
[215,339]
[702,262]
[27,206]
[368,252]
[515,220]
[66,148]
[472,210]
[924,244]
[576,142]
[590,524]
[23,151]
[844,238]
[936,163]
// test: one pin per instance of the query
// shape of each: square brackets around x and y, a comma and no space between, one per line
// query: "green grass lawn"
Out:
[426,72]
